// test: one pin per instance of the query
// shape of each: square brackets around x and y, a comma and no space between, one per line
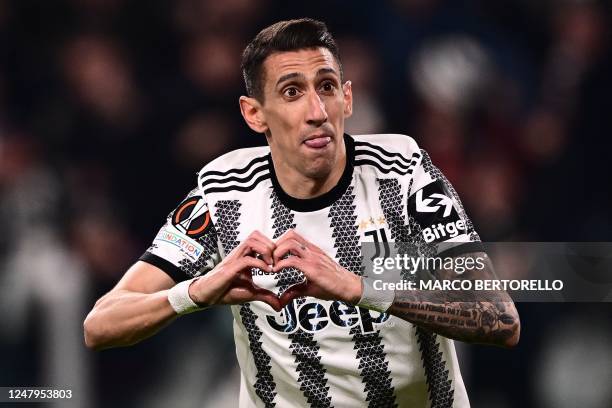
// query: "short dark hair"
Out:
[290,35]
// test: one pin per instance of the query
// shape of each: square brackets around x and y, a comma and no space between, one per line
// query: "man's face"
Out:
[304,109]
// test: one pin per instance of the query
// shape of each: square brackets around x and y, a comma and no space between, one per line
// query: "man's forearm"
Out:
[122,318]
[475,317]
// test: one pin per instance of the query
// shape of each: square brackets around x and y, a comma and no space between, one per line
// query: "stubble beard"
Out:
[319,172]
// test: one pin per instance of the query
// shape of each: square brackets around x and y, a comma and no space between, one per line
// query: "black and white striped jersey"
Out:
[319,353]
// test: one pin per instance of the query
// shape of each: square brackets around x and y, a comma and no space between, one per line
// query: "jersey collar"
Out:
[324,200]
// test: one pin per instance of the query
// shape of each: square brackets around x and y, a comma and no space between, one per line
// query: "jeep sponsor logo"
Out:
[443,232]
[313,316]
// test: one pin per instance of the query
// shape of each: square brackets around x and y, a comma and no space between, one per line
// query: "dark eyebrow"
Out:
[324,71]
[292,75]
[287,77]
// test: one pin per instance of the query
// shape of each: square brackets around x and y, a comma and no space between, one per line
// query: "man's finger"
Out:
[244,290]
[260,294]
[263,239]
[248,262]
[289,246]
[293,292]
[292,234]
[291,262]
[268,297]
[253,246]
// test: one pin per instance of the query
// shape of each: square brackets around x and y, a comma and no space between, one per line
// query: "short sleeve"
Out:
[437,216]
[186,246]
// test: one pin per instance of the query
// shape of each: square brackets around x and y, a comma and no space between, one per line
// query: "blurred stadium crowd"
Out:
[109,107]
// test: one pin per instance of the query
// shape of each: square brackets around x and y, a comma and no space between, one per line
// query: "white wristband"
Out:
[179,298]
[379,300]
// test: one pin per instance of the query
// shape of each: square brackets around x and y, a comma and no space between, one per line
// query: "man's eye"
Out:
[291,92]
[327,87]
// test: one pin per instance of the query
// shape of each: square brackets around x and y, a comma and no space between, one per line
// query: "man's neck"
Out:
[300,186]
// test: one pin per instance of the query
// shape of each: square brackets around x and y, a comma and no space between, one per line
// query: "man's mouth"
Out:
[318,142]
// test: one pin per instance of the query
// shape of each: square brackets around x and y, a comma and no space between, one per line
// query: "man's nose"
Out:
[317,114]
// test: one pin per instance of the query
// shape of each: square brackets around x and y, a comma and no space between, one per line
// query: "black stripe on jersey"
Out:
[204,181]
[373,365]
[265,387]
[311,374]
[237,187]
[390,198]
[441,392]
[283,221]
[367,156]
[363,162]
[171,269]
[397,163]
[235,171]
[398,156]
[228,216]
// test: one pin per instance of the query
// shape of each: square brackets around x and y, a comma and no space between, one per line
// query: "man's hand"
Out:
[231,281]
[325,279]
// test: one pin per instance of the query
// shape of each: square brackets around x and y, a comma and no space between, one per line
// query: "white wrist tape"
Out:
[379,300]
[179,298]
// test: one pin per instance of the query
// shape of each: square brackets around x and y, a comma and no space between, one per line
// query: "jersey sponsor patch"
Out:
[435,211]
[192,217]
[187,246]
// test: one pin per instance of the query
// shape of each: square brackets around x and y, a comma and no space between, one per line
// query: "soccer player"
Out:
[275,232]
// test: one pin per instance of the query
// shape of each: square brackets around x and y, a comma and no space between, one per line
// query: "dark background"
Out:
[108,108]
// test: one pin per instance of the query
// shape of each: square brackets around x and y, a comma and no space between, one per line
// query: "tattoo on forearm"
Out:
[491,319]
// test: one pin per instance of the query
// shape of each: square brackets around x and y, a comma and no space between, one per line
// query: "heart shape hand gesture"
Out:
[231,281]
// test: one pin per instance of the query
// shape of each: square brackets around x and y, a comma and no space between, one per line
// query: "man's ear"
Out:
[252,113]
[347,90]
